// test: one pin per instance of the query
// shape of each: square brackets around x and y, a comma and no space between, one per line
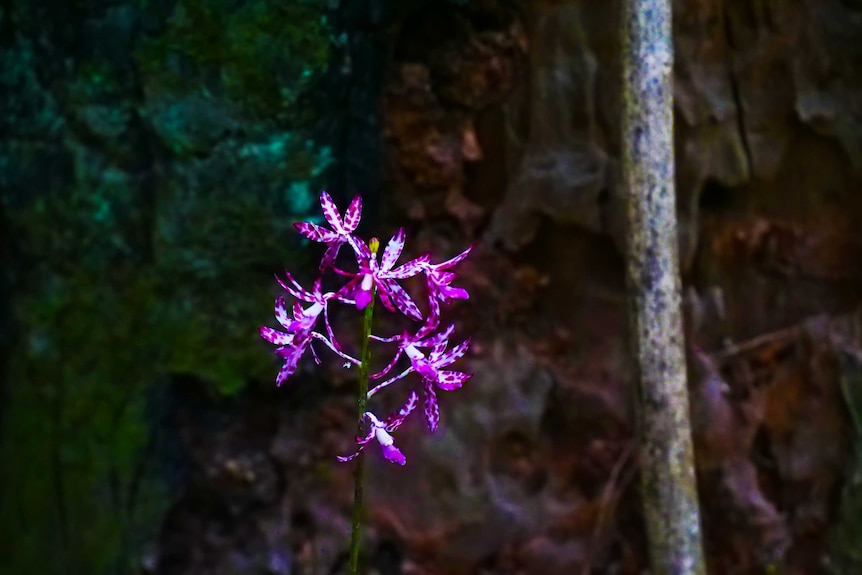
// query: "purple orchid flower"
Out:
[429,367]
[438,279]
[300,328]
[382,430]
[372,273]
[342,229]
[428,352]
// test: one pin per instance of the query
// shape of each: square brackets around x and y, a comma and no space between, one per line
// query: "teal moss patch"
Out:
[264,53]
[96,341]
[150,226]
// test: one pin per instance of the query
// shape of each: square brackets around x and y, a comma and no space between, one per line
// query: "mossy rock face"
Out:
[152,162]
[246,51]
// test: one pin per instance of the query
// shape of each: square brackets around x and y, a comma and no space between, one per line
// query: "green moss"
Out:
[100,329]
[134,279]
[263,54]
[76,454]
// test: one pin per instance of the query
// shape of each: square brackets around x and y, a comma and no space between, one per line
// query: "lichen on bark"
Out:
[667,461]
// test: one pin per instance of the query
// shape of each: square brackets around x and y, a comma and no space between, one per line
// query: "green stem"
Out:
[359,472]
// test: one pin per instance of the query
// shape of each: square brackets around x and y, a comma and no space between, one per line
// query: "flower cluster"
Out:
[381,278]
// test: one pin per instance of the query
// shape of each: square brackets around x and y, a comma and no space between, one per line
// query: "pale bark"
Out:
[667,463]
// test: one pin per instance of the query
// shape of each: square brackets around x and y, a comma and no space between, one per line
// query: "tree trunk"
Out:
[667,463]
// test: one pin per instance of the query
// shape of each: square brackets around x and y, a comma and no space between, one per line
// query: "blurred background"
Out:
[154,155]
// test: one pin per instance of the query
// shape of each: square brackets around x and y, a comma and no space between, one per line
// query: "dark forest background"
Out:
[154,155]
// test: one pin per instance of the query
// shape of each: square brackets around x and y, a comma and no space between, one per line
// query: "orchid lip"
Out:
[413,353]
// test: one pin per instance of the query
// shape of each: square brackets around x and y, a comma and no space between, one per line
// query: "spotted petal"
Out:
[275,337]
[453,354]
[291,357]
[281,312]
[410,269]
[296,290]
[393,454]
[452,261]
[316,233]
[432,410]
[451,380]
[361,442]
[330,254]
[393,250]
[330,212]
[401,299]
[438,338]
[395,420]
[353,215]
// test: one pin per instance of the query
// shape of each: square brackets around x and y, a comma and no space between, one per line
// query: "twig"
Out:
[606,503]
[749,345]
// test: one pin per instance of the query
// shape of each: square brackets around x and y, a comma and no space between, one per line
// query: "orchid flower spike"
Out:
[376,273]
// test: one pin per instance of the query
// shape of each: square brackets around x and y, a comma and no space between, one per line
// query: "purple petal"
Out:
[441,278]
[432,410]
[361,443]
[385,296]
[389,339]
[330,345]
[451,380]
[389,367]
[395,420]
[453,354]
[449,293]
[294,288]
[362,298]
[291,361]
[438,338]
[330,254]
[410,269]
[433,319]
[314,355]
[329,331]
[393,454]
[303,323]
[393,250]
[424,368]
[330,212]
[281,312]
[402,300]
[438,349]
[315,233]
[390,381]
[451,262]
[355,454]
[361,248]
[275,337]
[353,214]
[347,289]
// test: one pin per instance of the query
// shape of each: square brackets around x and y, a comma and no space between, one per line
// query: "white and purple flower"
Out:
[428,354]
[382,430]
